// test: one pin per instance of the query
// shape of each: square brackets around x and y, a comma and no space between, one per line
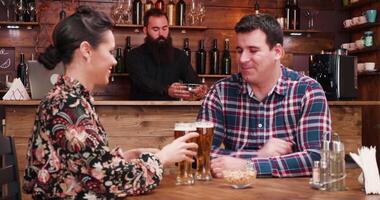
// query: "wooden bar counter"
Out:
[133,124]
[262,189]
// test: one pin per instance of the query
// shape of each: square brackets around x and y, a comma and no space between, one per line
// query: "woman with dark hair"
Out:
[68,154]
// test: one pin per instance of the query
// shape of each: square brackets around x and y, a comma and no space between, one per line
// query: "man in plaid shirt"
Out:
[267,117]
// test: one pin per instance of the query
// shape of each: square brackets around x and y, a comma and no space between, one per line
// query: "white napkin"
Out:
[366,159]
[17,91]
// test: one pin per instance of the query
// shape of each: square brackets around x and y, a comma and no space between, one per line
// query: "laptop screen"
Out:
[41,80]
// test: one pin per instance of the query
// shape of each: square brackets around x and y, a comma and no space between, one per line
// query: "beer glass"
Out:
[204,141]
[185,175]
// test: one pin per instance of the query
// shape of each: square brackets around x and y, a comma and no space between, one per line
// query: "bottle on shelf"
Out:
[257,8]
[148,5]
[32,10]
[201,58]
[226,58]
[22,71]
[20,11]
[296,16]
[214,58]
[62,13]
[180,13]
[287,15]
[160,5]
[127,49]
[137,12]
[26,12]
[119,58]
[186,48]
[170,12]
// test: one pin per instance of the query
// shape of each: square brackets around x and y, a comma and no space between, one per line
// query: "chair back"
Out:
[9,177]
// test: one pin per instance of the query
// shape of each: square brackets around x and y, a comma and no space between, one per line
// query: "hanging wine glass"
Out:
[192,13]
[201,12]
[117,12]
[127,12]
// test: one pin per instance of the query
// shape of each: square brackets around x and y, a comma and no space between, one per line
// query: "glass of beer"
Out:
[204,141]
[185,175]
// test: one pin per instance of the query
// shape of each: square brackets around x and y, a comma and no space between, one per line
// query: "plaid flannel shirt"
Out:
[296,111]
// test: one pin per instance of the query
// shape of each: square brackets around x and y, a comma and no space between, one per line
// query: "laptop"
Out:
[41,80]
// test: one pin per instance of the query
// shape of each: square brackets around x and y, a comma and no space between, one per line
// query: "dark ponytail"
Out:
[50,58]
[85,24]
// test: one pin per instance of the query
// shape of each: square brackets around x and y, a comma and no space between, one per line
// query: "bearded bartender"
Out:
[156,68]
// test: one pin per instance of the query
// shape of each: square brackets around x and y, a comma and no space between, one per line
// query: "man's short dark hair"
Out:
[265,23]
[153,12]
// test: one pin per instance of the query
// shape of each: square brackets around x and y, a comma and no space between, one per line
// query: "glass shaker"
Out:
[368,38]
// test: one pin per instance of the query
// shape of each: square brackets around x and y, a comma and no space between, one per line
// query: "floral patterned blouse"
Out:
[68,154]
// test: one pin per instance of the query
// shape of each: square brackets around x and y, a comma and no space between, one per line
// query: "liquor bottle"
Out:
[296,17]
[148,5]
[160,5]
[127,49]
[137,12]
[214,58]
[287,14]
[32,10]
[62,13]
[257,8]
[22,70]
[20,11]
[170,12]
[180,13]
[26,12]
[226,58]
[201,58]
[186,48]
[119,58]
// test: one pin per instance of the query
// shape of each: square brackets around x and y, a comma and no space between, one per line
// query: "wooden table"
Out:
[262,189]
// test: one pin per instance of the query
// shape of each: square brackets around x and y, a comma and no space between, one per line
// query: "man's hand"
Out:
[220,164]
[178,90]
[275,147]
[179,150]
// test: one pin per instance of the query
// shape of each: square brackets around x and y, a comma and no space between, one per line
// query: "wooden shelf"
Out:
[182,28]
[16,25]
[301,32]
[358,4]
[369,73]
[365,50]
[361,27]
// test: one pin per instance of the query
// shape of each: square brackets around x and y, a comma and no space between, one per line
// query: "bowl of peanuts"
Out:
[239,179]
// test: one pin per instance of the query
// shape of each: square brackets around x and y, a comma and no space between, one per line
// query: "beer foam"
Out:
[185,127]
[204,124]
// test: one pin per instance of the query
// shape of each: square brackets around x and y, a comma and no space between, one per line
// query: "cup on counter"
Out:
[371,15]
[362,19]
[185,174]
[360,67]
[352,46]
[359,44]
[369,66]
[345,46]
[347,23]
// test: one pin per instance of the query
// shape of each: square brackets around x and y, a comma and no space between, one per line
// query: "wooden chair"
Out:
[9,177]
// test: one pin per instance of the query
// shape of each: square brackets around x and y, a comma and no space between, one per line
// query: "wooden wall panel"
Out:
[221,18]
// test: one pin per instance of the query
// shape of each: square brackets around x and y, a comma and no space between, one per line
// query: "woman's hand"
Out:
[179,150]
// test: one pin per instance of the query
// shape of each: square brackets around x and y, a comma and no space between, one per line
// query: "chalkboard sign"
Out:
[7,60]
[7,65]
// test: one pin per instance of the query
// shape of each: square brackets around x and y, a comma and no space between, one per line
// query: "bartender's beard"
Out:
[161,49]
